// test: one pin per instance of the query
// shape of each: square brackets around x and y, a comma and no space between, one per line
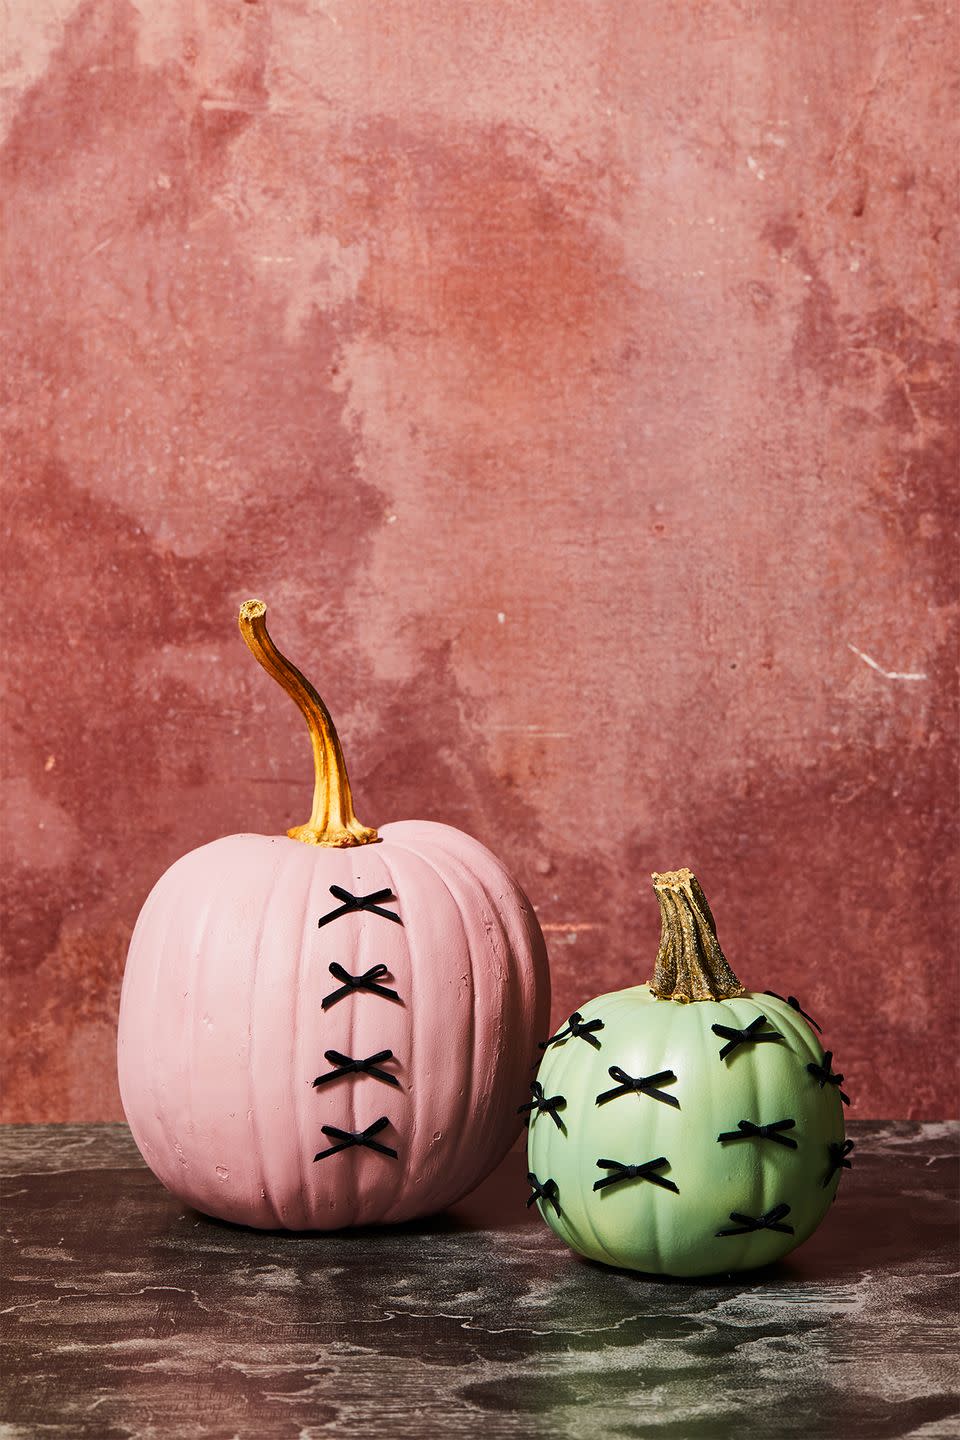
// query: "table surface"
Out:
[126,1315]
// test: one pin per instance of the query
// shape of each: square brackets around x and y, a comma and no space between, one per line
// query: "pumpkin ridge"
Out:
[197,951]
[504,951]
[552,1073]
[529,935]
[802,1032]
[298,1045]
[260,1165]
[764,1175]
[174,913]
[744,1075]
[593,1059]
[465,877]
[428,1202]
[657,1123]
[377,1189]
[407,1063]
[470,880]
[807,1042]
[354,1161]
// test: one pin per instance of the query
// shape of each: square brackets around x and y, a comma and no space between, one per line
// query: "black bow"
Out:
[367,981]
[644,1085]
[838,1151]
[541,1103]
[359,902]
[736,1037]
[746,1130]
[635,1172]
[346,1066]
[794,1004]
[770,1221]
[823,1076]
[576,1025]
[356,1137]
[547,1192]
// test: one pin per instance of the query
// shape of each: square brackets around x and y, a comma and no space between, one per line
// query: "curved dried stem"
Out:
[332,821]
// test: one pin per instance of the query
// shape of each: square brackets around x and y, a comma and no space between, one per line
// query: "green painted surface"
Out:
[638,1224]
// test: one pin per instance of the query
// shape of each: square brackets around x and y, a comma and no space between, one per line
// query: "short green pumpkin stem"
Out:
[690,964]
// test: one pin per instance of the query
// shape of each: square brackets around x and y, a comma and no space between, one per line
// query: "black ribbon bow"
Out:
[543,1104]
[746,1130]
[794,1004]
[736,1037]
[770,1221]
[359,902]
[823,1075]
[642,1085]
[346,1066]
[368,981]
[576,1025]
[838,1151]
[356,1137]
[635,1172]
[547,1192]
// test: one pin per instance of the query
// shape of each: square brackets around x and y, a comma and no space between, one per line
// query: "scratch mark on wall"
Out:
[887,674]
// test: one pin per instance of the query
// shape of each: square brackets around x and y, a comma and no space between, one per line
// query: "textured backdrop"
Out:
[573,381]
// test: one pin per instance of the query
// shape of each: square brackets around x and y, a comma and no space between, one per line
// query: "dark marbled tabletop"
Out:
[127,1316]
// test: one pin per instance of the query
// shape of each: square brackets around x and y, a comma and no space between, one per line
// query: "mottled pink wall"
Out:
[574,382]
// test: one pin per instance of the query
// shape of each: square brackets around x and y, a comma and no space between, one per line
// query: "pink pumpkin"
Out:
[331,1027]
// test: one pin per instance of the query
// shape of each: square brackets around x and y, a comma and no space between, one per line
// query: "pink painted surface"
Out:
[576,383]
[223,1031]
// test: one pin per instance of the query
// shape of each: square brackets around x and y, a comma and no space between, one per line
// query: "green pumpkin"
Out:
[689,1126]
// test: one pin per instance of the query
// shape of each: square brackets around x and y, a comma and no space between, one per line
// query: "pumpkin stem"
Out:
[332,821]
[690,964]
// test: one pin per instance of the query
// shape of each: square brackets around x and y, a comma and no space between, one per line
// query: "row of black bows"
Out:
[342,1065]
[547,1191]
[774,1130]
[733,1037]
[650,1085]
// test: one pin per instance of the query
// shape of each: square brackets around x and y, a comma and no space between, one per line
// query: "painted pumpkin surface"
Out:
[688,1126]
[329,1027]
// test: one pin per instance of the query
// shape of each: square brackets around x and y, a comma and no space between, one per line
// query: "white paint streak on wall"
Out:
[887,674]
